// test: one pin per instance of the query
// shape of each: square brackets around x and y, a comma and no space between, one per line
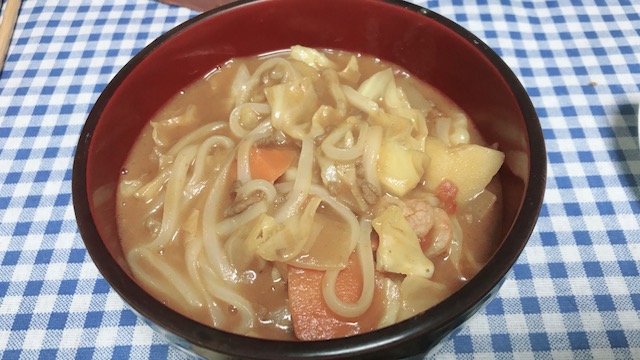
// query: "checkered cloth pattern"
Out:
[574,292]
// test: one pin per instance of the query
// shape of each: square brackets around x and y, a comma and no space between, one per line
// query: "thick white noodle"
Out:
[360,101]
[265,187]
[224,291]
[301,185]
[235,118]
[151,189]
[231,224]
[334,152]
[212,209]
[183,288]
[245,90]
[174,197]
[262,131]
[331,76]
[196,136]
[365,261]
[199,165]
[193,249]
[371,154]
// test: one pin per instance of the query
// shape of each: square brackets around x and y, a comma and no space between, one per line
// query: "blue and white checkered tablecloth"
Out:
[574,293]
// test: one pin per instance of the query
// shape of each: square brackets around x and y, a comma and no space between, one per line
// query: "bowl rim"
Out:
[465,302]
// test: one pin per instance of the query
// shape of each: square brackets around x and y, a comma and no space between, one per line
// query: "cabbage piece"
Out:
[263,229]
[333,84]
[327,115]
[306,219]
[335,235]
[168,131]
[283,242]
[455,249]
[470,167]
[375,86]
[360,101]
[324,117]
[349,187]
[414,96]
[292,106]
[312,57]
[342,177]
[480,206]
[391,302]
[399,249]
[239,254]
[242,77]
[418,294]
[303,69]
[275,70]
[241,247]
[400,169]
[394,97]
[351,72]
[417,131]
[329,249]
[396,128]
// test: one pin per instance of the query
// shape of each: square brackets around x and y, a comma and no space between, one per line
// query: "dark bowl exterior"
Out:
[430,46]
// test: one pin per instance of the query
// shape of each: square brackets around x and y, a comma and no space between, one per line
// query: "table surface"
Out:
[574,292]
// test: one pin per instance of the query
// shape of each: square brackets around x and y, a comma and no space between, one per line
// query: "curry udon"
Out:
[308,194]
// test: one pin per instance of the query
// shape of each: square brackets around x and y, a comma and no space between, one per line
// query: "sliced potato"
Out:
[470,167]
[400,169]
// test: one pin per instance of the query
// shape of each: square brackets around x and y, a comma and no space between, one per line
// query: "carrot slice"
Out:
[312,318]
[270,163]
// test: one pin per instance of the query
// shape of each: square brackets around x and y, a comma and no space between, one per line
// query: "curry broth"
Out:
[208,98]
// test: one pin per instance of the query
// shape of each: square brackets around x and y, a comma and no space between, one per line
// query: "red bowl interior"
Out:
[428,45]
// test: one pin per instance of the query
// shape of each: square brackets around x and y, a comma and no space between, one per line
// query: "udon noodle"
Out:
[308,194]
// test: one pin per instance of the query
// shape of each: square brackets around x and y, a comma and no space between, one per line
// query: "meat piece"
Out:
[431,225]
[420,216]
[439,238]
[369,192]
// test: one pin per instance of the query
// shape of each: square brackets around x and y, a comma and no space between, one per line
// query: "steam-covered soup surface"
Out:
[308,194]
